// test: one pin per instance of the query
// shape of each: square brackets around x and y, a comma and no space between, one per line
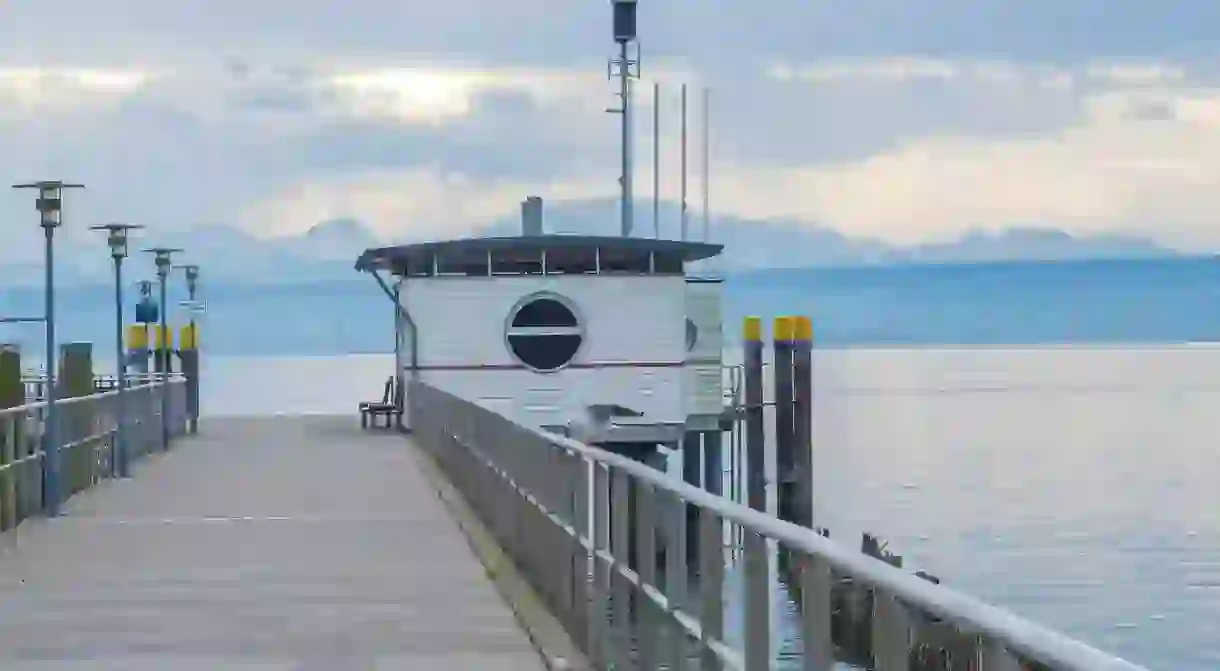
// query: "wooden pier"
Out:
[293,543]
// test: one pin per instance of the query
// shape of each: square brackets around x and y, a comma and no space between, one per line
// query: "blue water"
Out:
[1171,301]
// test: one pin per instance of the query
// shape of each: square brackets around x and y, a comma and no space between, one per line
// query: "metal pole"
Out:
[51,433]
[625,85]
[119,465]
[165,361]
[706,161]
[683,210]
[656,160]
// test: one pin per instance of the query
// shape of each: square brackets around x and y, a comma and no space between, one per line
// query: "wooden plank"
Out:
[276,541]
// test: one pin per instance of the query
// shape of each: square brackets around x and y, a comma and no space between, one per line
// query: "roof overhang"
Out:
[395,258]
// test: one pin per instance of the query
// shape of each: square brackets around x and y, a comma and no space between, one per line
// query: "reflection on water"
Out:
[1073,486]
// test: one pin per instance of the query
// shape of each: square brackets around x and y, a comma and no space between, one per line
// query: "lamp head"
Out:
[162,257]
[116,237]
[50,200]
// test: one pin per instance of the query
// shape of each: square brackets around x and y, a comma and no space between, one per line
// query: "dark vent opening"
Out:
[545,352]
[544,312]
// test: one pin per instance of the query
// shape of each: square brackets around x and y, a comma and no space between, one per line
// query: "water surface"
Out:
[1075,486]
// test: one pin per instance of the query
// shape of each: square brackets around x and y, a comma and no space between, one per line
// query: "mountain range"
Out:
[327,250]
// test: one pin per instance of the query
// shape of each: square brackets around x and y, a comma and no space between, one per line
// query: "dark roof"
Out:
[400,256]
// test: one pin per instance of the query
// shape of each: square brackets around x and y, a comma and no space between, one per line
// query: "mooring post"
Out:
[756,438]
[802,408]
[12,395]
[137,351]
[165,348]
[690,475]
[76,422]
[713,462]
[784,444]
[754,546]
[188,357]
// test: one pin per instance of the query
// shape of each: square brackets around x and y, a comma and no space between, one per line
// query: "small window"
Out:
[544,333]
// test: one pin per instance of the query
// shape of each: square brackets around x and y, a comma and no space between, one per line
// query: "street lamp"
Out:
[189,357]
[116,238]
[163,258]
[49,205]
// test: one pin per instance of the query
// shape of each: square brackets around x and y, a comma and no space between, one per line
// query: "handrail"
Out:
[447,421]
[70,400]
[88,448]
[1024,636]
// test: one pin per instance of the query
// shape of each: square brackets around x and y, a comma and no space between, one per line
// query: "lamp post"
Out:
[49,205]
[189,356]
[163,258]
[116,238]
[192,282]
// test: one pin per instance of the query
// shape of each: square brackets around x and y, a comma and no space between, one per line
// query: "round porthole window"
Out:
[544,332]
[692,334]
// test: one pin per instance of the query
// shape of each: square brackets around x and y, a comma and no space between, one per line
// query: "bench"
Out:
[388,407]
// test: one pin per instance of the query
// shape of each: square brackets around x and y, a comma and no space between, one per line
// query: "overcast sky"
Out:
[909,120]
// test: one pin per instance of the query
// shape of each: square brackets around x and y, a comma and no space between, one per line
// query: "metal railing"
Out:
[604,541]
[36,385]
[87,430]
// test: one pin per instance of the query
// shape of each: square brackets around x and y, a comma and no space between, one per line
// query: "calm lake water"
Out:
[1075,486]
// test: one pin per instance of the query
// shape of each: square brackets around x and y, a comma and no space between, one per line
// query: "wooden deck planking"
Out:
[275,543]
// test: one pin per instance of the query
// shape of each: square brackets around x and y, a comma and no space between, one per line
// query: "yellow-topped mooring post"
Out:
[802,408]
[782,343]
[754,547]
[137,349]
[164,346]
[188,357]
[756,482]
[12,395]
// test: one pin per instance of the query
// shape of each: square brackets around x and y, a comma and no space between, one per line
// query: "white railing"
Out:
[604,540]
[86,437]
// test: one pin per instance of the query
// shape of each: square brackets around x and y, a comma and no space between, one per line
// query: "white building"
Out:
[546,327]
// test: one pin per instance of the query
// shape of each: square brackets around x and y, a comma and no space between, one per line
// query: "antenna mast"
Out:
[656,160]
[683,186]
[706,161]
[626,69]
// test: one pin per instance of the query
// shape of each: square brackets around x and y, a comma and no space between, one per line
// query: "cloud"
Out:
[28,91]
[1114,169]
[904,120]
[407,204]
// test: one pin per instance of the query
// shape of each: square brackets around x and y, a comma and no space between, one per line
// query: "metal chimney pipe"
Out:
[531,216]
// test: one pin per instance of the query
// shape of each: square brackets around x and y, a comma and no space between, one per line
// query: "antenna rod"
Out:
[656,160]
[625,91]
[684,224]
[706,159]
